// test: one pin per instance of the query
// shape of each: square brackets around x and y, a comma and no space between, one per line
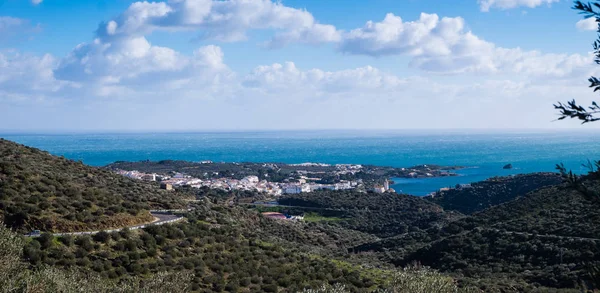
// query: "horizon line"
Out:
[197,131]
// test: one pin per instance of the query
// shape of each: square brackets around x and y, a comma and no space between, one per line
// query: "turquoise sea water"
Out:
[484,153]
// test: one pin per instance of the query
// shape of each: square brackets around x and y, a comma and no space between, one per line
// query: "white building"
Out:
[305,188]
[342,186]
[292,189]
[378,189]
[149,177]
[250,179]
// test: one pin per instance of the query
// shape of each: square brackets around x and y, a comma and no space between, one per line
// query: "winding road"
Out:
[161,217]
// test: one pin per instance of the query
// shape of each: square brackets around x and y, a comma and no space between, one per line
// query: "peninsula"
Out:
[275,178]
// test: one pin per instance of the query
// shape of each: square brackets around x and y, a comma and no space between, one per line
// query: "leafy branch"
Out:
[572,109]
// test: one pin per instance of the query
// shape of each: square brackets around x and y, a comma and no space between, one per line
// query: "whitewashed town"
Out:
[253,183]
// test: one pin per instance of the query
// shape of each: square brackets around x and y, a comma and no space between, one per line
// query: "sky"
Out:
[187,65]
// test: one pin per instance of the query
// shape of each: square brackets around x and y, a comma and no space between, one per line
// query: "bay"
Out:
[485,153]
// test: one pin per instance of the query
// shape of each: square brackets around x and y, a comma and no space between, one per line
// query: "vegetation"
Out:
[315,217]
[493,191]
[355,240]
[383,215]
[49,193]
[571,109]
[408,280]
[220,252]
[549,237]
[16,277]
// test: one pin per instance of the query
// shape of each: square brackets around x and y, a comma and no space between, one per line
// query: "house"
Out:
[166,186]
[297,218]
[305,188]
[292,189]
[342,186]
[149,177]
[250,179]
[378,189]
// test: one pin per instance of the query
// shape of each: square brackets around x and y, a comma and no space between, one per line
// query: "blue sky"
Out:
[260,64]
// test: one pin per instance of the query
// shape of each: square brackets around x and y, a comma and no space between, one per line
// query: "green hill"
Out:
[219,247]
[550,237]
[49,193]
[382,215]
[482,195]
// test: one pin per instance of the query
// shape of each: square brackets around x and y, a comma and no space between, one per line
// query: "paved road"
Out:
[161,217]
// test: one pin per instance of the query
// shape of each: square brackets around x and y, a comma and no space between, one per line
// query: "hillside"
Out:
[50,193]
[383,215]
[550,237]
[491,192]
[547,238]
[229,249]
[220,247]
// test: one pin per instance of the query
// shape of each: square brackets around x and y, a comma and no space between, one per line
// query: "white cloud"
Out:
[25,77]
[435,44]
[227,20]
[486,5]
[446,46]
[288,78]
[122,75]
[134,62]
[587,24]
[428,36]
[126,95]
[36,2]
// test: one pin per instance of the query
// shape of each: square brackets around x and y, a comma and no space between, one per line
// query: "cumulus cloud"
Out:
[227,20]
[427,36]
[435,44]
[486,5]
[135,63]
[121,69]
[152,81]
[587,24]
[446,46]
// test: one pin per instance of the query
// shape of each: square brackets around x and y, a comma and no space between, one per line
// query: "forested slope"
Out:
[550,237]
[50,193]
[383,215]
[484,194]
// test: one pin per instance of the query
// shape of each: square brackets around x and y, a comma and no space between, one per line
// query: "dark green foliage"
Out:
[494,191]
[549,237]
[222,257]
[101,236]
[383,215]
[41,191]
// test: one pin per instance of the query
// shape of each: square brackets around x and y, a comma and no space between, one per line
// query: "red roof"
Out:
[274,215]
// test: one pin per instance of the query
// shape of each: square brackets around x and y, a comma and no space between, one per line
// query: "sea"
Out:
[482,153]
